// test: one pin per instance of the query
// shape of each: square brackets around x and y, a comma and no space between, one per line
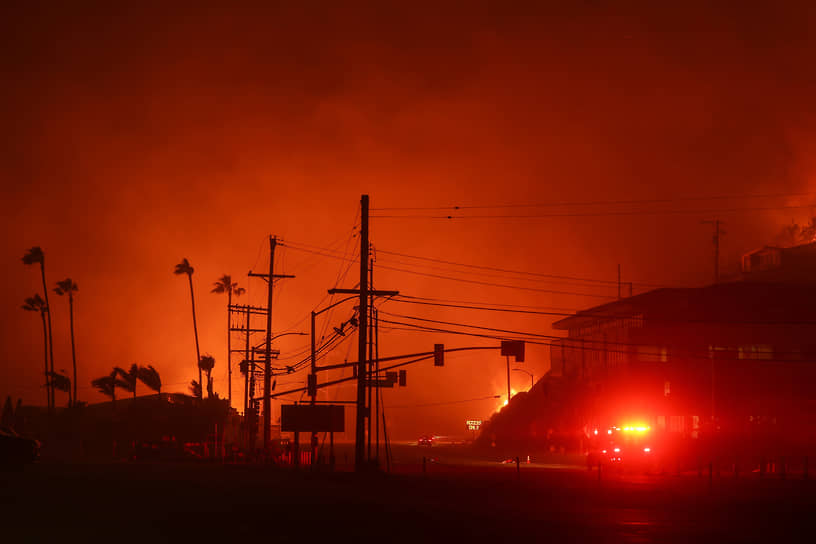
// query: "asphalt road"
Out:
[148,502]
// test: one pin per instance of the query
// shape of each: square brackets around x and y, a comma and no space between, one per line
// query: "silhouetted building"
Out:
[741,355]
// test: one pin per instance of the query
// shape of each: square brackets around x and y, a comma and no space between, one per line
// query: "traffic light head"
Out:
[403,377]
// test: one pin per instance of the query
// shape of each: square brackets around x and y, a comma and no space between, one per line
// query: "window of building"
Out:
[654,354]
[763,352]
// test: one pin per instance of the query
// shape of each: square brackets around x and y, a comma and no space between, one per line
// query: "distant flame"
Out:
[504,402]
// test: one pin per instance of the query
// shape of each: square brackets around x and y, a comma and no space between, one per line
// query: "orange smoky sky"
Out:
[134,137]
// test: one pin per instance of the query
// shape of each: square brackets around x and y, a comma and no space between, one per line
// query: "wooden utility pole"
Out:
[267,402]
[247,363]
[362,336]
[362,332]
[718,232]
[267,407]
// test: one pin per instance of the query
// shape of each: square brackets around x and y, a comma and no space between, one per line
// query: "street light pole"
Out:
[528,373]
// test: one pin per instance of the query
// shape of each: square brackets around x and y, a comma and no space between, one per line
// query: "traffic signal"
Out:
[439,354]
[312,385]
[403,377]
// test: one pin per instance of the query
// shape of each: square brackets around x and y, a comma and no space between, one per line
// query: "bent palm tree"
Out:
[68,286]
[150,377]
[226,285]
[127,379]
[107,385]
[184,267]
[37,304]
[35,255]
[61,382]
[207,363]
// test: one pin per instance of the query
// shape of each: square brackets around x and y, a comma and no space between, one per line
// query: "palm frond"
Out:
[34,304]
[66,286]
[60,382]
[183,267]
[150,377]
[206,363]
[34,255]
[105,385]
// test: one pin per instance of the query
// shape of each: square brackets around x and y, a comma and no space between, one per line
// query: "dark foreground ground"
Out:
[130,502]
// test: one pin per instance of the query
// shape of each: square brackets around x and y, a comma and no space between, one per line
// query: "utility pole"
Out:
[508,380]
[247,363]
[267,403]
[267,408]
[718,232]
[362,337]
[362,332]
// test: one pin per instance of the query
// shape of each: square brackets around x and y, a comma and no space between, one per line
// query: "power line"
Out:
[491,397]
[598,214]
[463,280]
[520,272]
[598,202]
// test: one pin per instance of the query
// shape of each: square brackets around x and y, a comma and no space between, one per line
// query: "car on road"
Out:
[16,450]
[425,440]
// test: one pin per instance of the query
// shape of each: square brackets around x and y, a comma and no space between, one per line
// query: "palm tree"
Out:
[68,286]
[226,285]
[128,378]
[150,377]
[106,385]
[35,255]
[184,267]
[61,382]
[37,304]
[206,363]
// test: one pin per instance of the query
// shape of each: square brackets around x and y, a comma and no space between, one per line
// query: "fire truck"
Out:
[627,447]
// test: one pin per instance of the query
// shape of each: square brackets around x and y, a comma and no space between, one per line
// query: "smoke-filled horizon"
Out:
[135,138]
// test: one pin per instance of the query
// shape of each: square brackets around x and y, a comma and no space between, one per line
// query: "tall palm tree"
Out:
[61,382]
[184,267]
[68,286]
[226,285]
[35,255]
[37,304]
[127,378]
[206,363]
[150,377]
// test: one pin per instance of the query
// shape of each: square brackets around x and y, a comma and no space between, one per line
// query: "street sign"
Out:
[312,418]
[513,348]
[473,424]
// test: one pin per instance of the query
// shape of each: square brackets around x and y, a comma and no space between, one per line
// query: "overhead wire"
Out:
[599,202]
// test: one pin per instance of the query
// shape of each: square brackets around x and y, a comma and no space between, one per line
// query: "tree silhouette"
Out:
[150,377]
[67,286]
[61,382]
[184,267]
[36,255]
[37,304]
[226,285]
[127,378]
[195,389]
[207,363]
[107,385]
